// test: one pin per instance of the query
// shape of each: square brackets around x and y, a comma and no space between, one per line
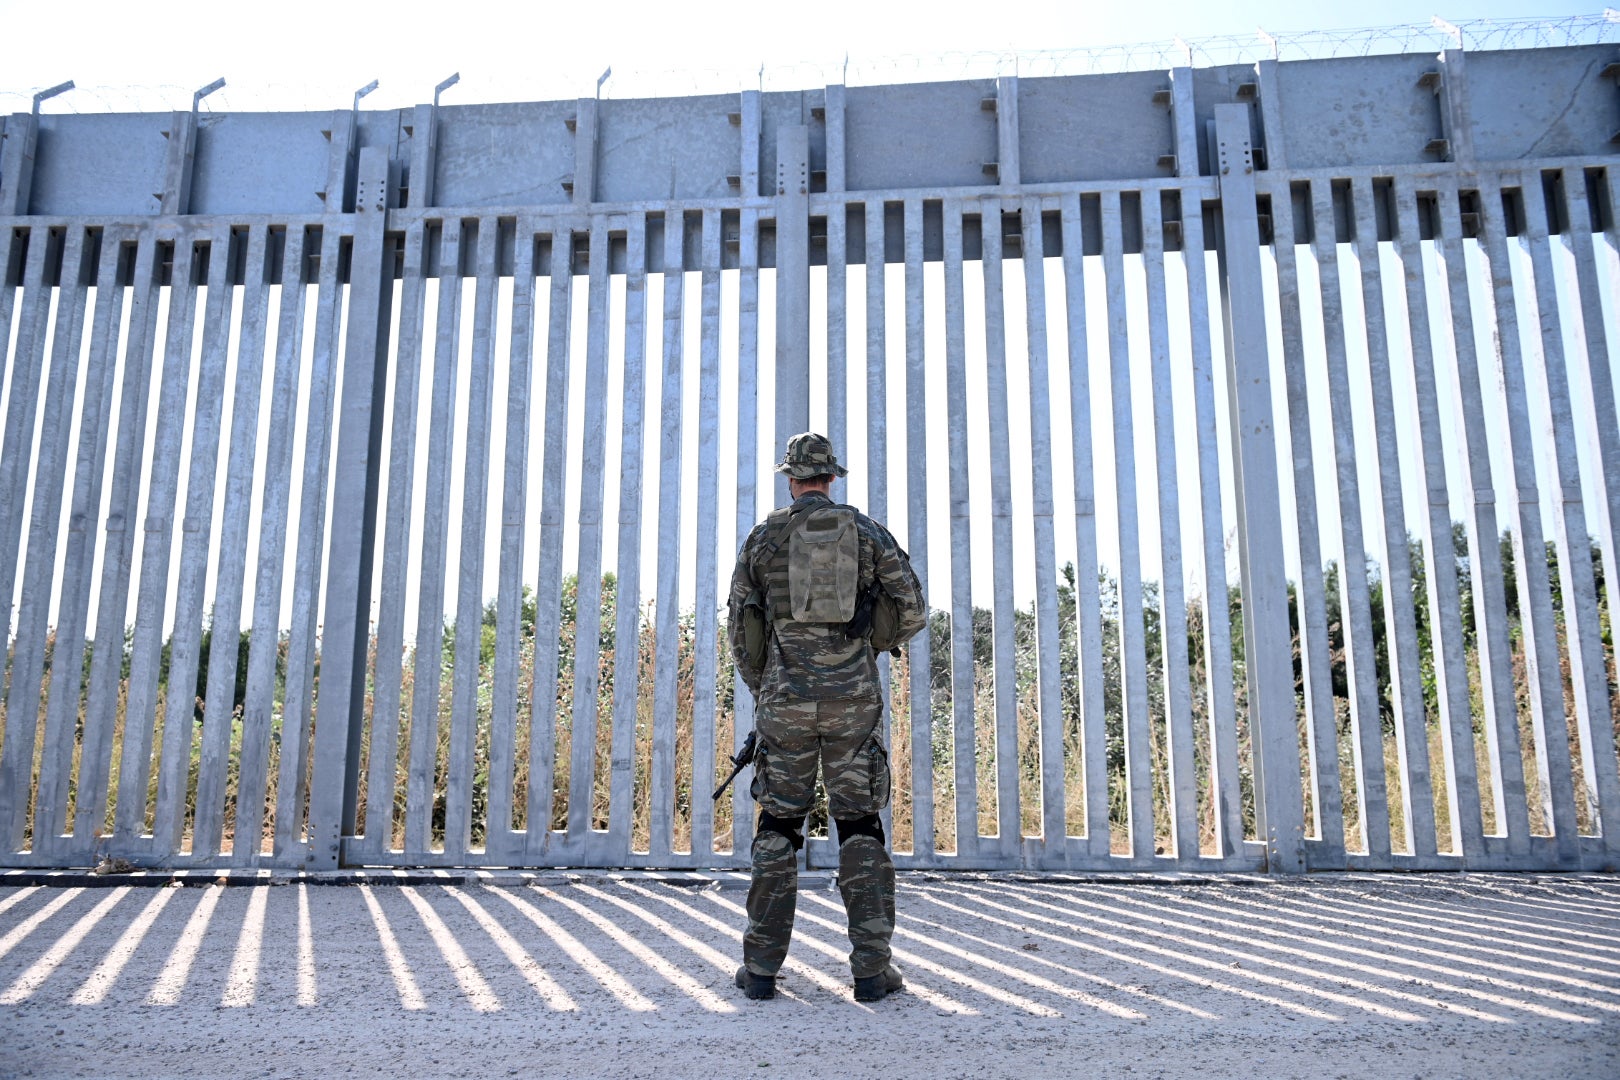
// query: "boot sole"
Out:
[876,993]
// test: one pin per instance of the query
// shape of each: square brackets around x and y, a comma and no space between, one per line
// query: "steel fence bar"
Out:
[398,524]
[837,324]
[919,651]
[1355,600]
[25,695]
[1322,725]
[667,613]
[27,369]
[964,711]
[219,710]
[588,575]
[22,407]
[1440,559]
[466,674]
[1054,849]
[1092,733]
[1485,562]
[12,242]
[543,710]
[1555,785]
[264,646]
[876,464]
[742,802]
[1009,824]
[1600,379]
[152,600]
[107,663]
[1400,620]
[185,640]
[68,705]
[1225,793]
[627,625]
[1181,783]
[427,664]
[1605,436]
[1588,664]
[500,839]
[1132,643]
[309,563]
[705,636]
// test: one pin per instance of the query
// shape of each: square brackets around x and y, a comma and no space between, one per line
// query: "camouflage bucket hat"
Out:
[810,455]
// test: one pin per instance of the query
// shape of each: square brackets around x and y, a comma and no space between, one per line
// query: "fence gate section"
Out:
[369,493]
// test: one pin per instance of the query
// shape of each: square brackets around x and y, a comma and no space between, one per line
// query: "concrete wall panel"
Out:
[260,163]
[1350,112]
[1098,127]
[667,148]
[504,155]
[1369,111]
[1525,107]
[927,135]
[107,164]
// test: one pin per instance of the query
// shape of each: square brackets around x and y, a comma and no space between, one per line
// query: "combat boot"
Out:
[757,987]
[877,987]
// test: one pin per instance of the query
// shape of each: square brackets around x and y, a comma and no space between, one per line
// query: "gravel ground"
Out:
[627,975]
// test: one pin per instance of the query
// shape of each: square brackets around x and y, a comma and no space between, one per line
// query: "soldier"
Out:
[801,629]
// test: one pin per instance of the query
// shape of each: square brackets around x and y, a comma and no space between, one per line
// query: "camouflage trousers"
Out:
[842,737]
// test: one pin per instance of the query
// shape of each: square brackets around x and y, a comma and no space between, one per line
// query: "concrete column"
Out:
[1184,121]
[1455,119]
[340,714]
[1279,803]
[175,198]
[748,122]
[1271,114]
[340,162]
[17,163]
[585,152]
[1009,170]
[792,287]
[837,167]
[424,154]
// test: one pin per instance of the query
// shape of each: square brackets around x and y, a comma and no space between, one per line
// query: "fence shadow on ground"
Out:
[1502,953]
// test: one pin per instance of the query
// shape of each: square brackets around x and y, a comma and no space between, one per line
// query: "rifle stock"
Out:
[739,761]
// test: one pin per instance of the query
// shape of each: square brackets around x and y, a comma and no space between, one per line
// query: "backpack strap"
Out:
[790,522]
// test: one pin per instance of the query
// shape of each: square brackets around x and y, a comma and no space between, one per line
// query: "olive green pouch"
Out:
[756,625]
[885,623]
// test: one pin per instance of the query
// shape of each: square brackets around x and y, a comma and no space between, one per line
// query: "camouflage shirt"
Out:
[818,661]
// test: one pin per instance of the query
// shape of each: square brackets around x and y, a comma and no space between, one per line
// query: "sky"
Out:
[300,54]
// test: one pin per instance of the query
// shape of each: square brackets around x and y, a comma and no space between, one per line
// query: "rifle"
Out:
[739,761]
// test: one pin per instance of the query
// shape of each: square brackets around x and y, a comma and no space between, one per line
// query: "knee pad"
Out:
[792,828]
[867,825]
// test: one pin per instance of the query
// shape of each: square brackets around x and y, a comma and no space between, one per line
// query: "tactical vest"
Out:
[812,572]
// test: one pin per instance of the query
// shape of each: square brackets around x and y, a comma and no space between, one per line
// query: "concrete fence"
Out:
[1252,428]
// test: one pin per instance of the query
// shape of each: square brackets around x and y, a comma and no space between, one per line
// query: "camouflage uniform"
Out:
[818,698]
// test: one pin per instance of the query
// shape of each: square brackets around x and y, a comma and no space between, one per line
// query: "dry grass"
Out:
[693,780]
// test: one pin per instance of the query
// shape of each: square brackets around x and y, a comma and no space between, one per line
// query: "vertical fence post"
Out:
[792,289]
[19,136]
[1279,806]
[340,712]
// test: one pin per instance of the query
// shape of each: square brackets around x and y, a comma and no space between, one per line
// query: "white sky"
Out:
[301,54]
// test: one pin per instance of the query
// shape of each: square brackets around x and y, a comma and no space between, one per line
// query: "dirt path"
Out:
[1488,976]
